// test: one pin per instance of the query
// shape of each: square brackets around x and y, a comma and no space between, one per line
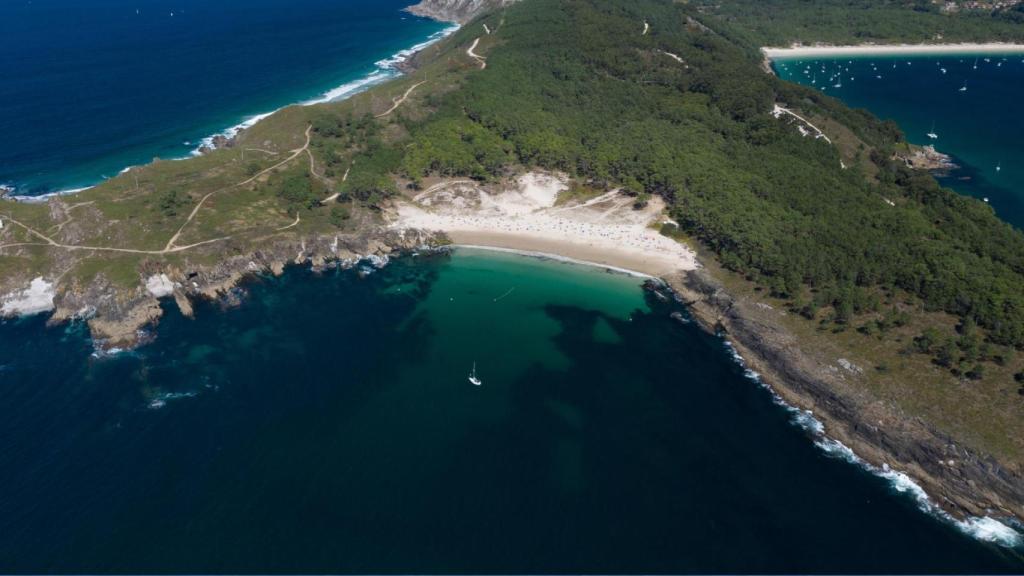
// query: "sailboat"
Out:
[932,134]
[472,377]
[964,87]
[999,166]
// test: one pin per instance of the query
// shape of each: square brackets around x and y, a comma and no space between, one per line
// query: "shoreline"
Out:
[557,258]
[810,411]
[384,70]
[823,429]
[623,261]
[977,496]
[523,214]
[800,51]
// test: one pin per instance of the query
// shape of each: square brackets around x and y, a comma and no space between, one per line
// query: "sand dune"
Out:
[605,230]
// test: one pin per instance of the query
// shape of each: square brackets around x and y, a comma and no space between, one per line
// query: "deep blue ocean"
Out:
[320,423]
[88,88]
[325,423]
[972,103]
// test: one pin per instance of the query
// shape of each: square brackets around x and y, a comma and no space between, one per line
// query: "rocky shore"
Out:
[961,481]
[117,316]
[927,158]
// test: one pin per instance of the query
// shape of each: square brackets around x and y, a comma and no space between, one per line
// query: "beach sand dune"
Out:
[523,215]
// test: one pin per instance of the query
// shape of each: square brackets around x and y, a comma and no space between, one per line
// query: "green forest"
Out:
[575,86]
[783,22]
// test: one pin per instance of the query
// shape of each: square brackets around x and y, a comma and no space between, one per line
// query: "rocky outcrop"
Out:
[961,480]
[927,158]
[458,11]
[117,315]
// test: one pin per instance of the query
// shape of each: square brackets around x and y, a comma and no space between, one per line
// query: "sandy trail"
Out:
[295,154]
[293,224]
[170,248]
[779,110]
[605,230]
[399,101]
[50,242]
[480,59]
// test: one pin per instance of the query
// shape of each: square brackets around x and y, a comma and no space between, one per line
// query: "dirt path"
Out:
[480,59]
[440,186]
[779,110]
[51,242]
[170,248]
[295,154]
[674,57]
[292,225]
[399,101]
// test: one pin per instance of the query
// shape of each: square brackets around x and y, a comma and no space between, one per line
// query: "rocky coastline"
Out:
[118,317]
[927,158]
[456,11]
[961,481]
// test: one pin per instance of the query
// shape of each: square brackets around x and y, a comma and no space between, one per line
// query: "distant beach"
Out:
[799,51]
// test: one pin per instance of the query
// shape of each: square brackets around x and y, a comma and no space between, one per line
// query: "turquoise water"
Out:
[325,423]
[89,88]
[980,127]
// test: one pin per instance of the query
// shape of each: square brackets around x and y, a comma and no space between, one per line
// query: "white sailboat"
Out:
[932,134]
[964,87]
[472,377]
[999,166]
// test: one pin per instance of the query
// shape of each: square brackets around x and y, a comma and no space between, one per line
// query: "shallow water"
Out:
[979,126]
[326,424]
[89,88]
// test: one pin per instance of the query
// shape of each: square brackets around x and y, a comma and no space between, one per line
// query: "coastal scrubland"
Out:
[857,252]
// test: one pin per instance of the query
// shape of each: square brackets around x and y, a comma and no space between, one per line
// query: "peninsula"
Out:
[640,134]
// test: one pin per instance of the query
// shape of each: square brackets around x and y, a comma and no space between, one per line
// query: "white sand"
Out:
[605,230]
[798,51]
[38,297]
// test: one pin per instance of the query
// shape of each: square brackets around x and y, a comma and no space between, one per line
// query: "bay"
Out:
[972,103]
[325,423]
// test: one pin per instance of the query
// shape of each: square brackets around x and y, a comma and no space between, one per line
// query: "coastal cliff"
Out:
[960,480]
[458,11]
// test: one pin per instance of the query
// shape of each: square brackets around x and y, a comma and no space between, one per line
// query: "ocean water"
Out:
[324,423]
[980,127]
[89,88]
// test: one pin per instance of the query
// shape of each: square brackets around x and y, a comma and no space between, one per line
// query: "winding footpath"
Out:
[480,59]
[399,101]
[170,247]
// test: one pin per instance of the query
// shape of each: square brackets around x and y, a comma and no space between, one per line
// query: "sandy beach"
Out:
[884,49]
[604,230]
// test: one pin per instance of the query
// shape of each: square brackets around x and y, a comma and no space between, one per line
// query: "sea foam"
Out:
[384,70]
[984,528]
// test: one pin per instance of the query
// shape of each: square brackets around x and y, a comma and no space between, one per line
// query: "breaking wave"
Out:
[984,528]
